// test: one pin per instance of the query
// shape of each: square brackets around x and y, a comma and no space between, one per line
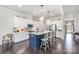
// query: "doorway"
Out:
[69,35]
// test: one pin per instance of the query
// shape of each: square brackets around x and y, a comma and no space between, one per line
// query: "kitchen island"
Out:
[20,36]
[35,38]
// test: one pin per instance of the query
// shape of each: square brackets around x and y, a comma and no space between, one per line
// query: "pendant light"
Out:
[42,16]
[48,17]
[42,9]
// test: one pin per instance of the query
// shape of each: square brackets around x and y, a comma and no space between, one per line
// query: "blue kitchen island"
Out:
[35,39]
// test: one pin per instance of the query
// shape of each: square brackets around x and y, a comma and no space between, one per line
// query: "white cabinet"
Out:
[20,36]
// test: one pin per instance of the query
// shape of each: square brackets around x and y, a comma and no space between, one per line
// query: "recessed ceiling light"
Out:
[19,6]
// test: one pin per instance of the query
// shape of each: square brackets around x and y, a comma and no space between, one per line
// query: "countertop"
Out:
[40,33]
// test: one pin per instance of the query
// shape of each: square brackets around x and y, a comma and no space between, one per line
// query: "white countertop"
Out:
[39,33]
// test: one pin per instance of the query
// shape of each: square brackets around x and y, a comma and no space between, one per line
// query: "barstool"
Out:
[7,42]
[45,42]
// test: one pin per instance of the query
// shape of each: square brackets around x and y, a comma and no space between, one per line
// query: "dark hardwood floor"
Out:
[23,48]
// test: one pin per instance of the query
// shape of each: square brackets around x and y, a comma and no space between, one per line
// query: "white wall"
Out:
[76,22]
[6,20]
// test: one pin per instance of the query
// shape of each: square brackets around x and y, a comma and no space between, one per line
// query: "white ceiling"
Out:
[35,10]
[71,10]
[55,10]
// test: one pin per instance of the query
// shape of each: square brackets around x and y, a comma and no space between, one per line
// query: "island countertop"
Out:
[39,33]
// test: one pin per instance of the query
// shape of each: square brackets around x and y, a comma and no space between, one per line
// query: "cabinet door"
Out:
[32,41]
[38,41]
